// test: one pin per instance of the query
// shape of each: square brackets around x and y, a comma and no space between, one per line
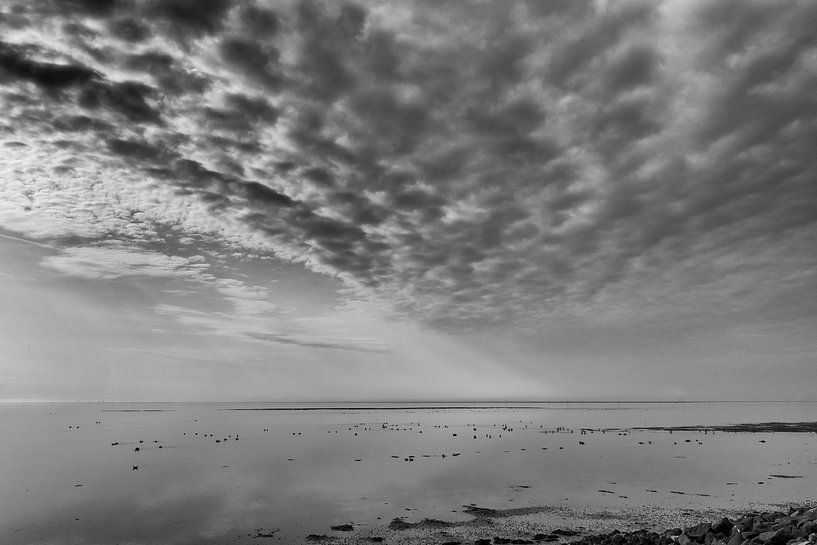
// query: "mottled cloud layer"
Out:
[511,165]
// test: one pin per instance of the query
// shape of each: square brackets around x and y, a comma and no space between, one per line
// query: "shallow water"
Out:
[62,480]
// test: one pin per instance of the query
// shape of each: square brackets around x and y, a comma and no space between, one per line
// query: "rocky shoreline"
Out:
[797,526]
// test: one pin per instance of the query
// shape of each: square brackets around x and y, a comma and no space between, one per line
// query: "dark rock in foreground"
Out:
[798,527]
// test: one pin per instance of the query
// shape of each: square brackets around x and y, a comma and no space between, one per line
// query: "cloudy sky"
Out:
[206,200]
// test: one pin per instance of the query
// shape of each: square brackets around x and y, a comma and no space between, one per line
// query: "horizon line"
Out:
[427,401]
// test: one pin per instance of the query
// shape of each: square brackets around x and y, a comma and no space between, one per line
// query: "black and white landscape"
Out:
[408,269]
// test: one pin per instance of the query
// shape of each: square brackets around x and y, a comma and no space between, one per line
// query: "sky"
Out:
[204,200]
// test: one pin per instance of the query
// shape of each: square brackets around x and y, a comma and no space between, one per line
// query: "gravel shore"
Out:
[796,525]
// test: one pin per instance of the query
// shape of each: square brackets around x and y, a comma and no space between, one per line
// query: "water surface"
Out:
[222,473]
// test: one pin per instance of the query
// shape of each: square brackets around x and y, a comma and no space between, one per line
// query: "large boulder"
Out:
[775,537]
[699,531]
[723,526]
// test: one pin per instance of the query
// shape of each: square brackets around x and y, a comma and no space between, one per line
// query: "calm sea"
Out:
[222,472]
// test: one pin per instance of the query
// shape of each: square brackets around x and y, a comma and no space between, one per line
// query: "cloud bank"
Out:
[510,165]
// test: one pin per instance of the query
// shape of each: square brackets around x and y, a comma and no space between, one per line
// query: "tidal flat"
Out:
[404,473]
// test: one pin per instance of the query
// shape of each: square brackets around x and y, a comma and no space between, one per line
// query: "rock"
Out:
[743,524]
[774,537]
[736,538]
[683,539]
[482,542]
[698,532]
[317,537]
[723,526]
[809,527]
[375,539]
[400,524]
[546,537]
[564,532]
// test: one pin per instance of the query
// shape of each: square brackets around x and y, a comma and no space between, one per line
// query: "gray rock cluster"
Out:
[798,527]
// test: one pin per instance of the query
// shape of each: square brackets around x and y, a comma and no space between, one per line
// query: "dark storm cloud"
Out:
[260,22]
[258,193]
[474,163]
[256,61]
[241,114]
[196,17]
[129,29]
[16,64]
[137,149]
[131,99]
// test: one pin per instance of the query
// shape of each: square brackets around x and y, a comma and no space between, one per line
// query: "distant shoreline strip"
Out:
[374,408]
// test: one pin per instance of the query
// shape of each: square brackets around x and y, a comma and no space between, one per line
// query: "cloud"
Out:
[107,262]
[320,342]
[477,166]
[45,74]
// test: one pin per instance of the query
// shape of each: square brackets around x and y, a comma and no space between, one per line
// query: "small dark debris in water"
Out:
[77,485]
[342,528]
[676,492]
[730,484]
[603,491]
[781,476]
[317,537]
[651,490]
[268,534]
